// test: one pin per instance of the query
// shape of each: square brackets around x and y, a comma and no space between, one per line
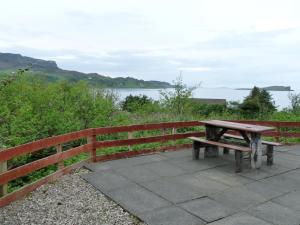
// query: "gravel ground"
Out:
[69,200]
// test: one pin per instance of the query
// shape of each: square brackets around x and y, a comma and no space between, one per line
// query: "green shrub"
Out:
[258,104]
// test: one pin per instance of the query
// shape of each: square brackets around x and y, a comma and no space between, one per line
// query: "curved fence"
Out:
[92,141]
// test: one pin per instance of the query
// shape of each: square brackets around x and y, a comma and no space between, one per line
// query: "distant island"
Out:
[271,88]
[10,63]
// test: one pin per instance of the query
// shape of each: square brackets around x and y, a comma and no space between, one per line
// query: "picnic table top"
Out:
[238,126]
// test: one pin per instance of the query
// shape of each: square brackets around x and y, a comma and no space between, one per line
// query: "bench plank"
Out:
[219,144]
[241,138]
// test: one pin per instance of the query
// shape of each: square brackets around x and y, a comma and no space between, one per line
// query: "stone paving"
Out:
[170,188]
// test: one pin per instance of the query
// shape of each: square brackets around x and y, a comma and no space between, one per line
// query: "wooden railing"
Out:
[91,139]
[88,136]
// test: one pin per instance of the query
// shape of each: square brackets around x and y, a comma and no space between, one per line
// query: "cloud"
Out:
[234,44]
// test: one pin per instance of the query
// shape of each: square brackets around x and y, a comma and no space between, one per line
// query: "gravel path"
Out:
[69,200]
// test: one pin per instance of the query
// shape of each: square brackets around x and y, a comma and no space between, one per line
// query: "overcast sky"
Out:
[233,43]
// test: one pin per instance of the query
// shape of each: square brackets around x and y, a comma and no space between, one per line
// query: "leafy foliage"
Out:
[295,102]
[208,109]
[258,104]
[178,100]
[139,103]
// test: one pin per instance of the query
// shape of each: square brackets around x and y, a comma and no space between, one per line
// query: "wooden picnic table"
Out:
[215,129]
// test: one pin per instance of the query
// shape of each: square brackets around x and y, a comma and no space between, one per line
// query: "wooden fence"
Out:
[91,139]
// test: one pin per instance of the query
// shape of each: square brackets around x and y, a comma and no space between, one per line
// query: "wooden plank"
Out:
[31,187]
[134,141]
[3,187]
[219,144]
[271,143]
[41,163]
[273,134]
[44,143]
[237,126]
[241,138]
[139,127]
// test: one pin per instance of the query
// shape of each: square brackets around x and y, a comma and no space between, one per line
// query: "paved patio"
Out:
[172,189]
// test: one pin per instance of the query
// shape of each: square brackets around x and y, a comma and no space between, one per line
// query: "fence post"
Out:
[92,140]
[130,136]
[3,168]
[164,132]
[277,130]
[60,164]
[174,131]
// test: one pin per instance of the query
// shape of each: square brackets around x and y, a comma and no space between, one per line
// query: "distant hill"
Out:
[271,88]
[12,62]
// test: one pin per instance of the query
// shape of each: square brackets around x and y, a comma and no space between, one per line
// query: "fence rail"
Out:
[89,138]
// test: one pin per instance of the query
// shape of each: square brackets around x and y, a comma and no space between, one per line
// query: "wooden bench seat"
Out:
[220,144]
[269,151]
[239,150]
[241,138]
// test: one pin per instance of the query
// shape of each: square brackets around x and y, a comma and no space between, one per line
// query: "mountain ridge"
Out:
[10,62]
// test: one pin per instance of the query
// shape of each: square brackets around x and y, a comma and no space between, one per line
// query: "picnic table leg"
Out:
[270,150]
[238,161]
[211,134]
[256,154]
[196,149]
[225,151]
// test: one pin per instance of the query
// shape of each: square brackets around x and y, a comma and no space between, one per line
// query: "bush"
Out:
[178,100]
[295,102]
[136,103]
[208,109]
[258,104]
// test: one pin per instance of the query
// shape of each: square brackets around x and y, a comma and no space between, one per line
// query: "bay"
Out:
[280,97]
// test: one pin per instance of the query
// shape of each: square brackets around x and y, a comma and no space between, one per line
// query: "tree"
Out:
[134,103]
[295,102]
[258,103]
[177,100]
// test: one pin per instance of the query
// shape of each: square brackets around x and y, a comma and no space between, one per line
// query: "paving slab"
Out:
[241,219]
[230,179]
[287,160]
[264,172]
[283,182]
[185,187]
[189,165]
[127,162]
[238,198]
[164,169]
[177,154]
[268,191]
[106,181]
[276,214]
[170,216]
[290,200]
[137,200]
[294,174]
[175,189]
[139,173]
[207,209]
[292,149]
